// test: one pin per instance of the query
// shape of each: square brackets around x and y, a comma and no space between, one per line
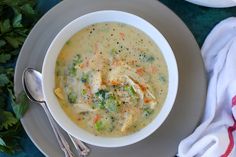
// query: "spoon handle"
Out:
[82,149]
[60,138]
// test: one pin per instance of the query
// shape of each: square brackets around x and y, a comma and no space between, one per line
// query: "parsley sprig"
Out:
[16,19]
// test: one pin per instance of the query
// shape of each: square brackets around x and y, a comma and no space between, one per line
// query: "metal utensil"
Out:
[32,84]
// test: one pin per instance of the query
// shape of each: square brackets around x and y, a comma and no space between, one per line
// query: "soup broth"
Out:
[111,79]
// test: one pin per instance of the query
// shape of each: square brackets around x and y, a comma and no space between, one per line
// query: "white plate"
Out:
[214,3]
[190,100]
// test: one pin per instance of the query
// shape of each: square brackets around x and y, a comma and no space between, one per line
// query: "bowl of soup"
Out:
[110,78]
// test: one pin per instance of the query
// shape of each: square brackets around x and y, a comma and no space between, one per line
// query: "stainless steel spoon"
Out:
[32,84]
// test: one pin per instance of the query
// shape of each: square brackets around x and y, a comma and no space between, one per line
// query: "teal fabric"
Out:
[200,20]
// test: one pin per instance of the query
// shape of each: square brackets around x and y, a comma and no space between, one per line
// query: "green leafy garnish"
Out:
[150,59]
[77,59]
[16,20]
[145,57]
[111,104]
[99,125]
[147,112]
[72,97]
[130,90]
[19,104]
[72,68]
[101,96]
[7,120]
[83,92]
[106,101]
[3,80]
[162,78]
[84,78]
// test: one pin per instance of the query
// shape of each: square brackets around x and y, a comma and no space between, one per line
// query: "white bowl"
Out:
[48,72]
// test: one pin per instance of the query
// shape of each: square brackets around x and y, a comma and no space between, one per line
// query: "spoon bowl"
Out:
[32,84]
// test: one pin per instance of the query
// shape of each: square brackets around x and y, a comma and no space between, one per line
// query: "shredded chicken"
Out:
[82,107]
[96,82]
[130,118]
[59,93]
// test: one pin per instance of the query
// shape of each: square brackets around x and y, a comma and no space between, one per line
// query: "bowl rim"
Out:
[48,69]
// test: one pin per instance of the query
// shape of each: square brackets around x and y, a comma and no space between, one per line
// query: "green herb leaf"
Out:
[5,26]
[4,58]
[17,21]
[150,59]
[21,106]
[147,112]
[83,92]
[72,70]
[3,80]
[84,77]
[28,10]
[8,120]
[2,43]
[111,104]
[130,90]
[2,143]
[72,97]
[101,94]
[77,59]
[98,125]
[15,42]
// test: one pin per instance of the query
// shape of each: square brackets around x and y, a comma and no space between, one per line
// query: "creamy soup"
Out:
[111,79]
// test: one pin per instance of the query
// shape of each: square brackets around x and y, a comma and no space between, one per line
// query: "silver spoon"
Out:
[32,84]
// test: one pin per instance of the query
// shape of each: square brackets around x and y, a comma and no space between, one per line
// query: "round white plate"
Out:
[214,3]
[190,100]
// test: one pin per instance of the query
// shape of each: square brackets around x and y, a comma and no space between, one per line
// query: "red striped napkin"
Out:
[216,135]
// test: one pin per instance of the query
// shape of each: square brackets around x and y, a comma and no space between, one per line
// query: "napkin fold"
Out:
[216,135]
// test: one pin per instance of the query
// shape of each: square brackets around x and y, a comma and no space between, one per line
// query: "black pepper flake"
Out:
[110,69]
[127,49]
[90,32]
[100,52]
[111,34]
[93,29]
[119,51]
[117,42]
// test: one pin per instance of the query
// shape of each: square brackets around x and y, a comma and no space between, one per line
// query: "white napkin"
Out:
[216,135]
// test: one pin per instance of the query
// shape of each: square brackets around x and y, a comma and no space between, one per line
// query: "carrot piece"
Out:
[113,82]
[96,118]
[84,64]
[147,100]
[81,65]
[143,87]
[140,71]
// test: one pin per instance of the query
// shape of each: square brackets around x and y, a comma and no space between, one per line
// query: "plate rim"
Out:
[229,3]
[38,24]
